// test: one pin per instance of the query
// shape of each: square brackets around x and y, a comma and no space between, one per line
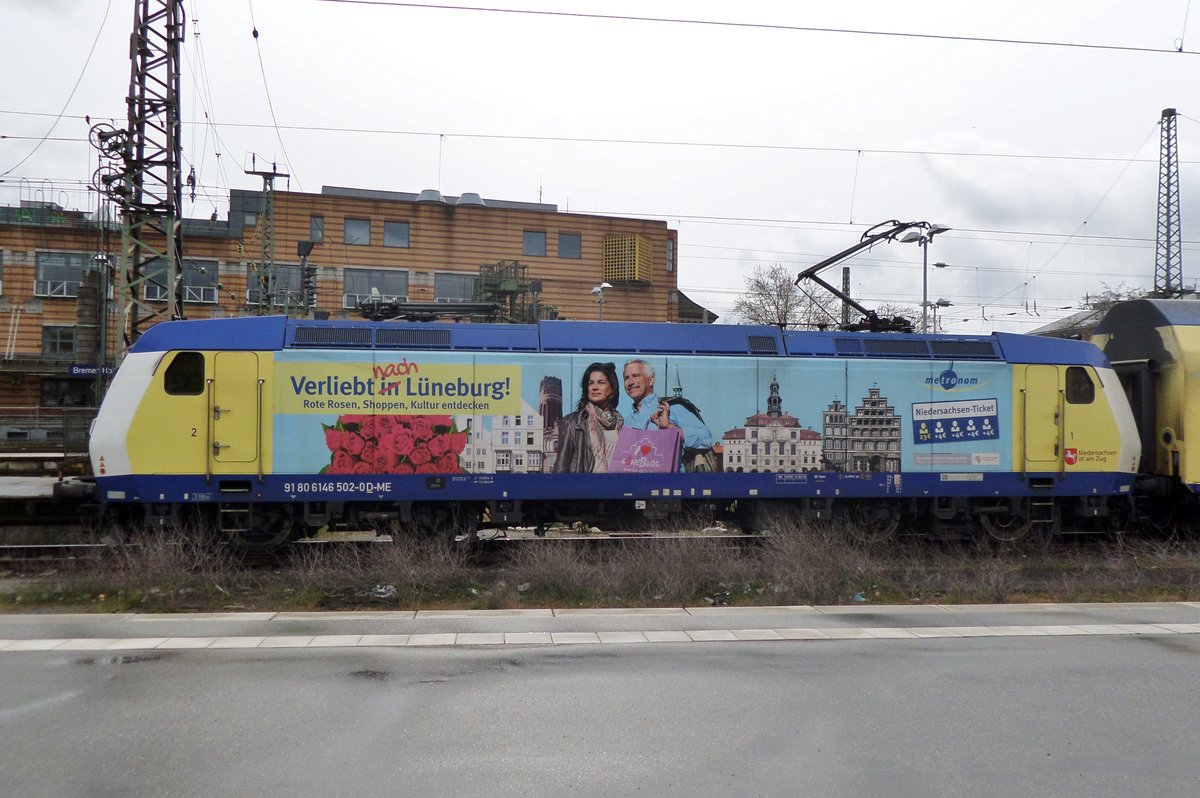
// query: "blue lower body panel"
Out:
[539,487]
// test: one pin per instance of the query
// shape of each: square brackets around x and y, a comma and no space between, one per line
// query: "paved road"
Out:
[1061,700]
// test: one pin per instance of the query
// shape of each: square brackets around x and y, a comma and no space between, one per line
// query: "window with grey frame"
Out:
[58,274]
[199,280]
[570,245]
[454,287]
[58,341]
[356,232]
[395,234]
[281,285]
[316,229]
[378,285]
[533,243]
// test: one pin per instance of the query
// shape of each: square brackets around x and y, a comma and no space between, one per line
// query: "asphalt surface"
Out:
[1062,700]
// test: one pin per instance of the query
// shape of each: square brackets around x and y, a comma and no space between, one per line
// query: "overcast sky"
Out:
[777,137]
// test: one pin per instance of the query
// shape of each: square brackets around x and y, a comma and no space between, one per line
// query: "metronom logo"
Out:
[948,380]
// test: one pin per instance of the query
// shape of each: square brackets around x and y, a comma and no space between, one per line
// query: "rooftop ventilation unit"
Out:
[471,198]
[432,196]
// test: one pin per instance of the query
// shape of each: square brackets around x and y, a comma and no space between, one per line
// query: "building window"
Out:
[316,229]
[357,232]
[58,341]
[570,245]
[249,219]
[199,280]
[395,234]
[59,273]
[282,287]
[534,243]
[670,255]
[61,393]
[454,287]
[374,285]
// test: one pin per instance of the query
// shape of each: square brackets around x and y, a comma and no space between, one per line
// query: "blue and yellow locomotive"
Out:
[267,428]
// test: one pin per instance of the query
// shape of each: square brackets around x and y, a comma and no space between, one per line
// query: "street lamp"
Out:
[929,230]
[599,292]
[942,302]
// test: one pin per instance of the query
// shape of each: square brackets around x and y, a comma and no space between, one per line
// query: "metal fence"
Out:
[45,430]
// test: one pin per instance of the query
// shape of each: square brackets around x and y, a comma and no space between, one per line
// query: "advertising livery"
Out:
[340,413]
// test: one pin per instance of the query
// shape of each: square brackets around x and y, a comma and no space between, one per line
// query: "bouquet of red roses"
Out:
[370,444]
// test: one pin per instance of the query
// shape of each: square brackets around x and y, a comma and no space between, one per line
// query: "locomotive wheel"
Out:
[1006,527]
[445,520]
[872,522]
[268,529]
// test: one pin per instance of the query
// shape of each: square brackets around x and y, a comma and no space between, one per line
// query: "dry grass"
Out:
[178,570]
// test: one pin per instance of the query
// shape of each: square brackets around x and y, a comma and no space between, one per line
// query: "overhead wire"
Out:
[774,26]
[267,90]
[67,102]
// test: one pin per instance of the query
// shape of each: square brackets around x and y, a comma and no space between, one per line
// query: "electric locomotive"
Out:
[268,428]
[1154,347]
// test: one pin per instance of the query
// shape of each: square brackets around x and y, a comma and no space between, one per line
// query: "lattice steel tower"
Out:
[1168,260]
[143,174]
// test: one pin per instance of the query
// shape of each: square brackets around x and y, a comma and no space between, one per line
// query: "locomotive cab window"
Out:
[1080,388]
[185,375]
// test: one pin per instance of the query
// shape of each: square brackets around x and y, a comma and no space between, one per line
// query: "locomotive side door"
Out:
[1043,420]
[235,410]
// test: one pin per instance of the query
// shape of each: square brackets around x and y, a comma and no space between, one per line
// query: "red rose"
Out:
[342,463]
[353,443]
[448,463]
[441,421]
[333,438]
[420,455]
[363,467]
[404,468]
[401,444]
[422,430]
[438,445]
[367,427]
[457,441]
[427,468]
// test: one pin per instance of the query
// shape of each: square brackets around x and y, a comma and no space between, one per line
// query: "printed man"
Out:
[650,411]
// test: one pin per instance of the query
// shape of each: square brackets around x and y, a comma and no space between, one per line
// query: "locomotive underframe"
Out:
[263,525]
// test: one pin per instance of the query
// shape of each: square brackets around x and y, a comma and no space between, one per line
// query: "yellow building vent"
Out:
[628,259]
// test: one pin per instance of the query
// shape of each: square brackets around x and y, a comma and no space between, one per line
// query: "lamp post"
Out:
[929,230]
[942,302]
[599,292]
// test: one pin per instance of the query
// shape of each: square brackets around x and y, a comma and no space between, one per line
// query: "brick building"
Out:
[415,253]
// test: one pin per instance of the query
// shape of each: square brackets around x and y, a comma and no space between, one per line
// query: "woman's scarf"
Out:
[600,420]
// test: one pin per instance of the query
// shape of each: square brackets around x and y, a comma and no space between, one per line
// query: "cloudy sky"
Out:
[765,132]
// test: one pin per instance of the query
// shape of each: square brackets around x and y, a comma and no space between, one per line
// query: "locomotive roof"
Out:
[1147,314]
[1139,329]
[269,333]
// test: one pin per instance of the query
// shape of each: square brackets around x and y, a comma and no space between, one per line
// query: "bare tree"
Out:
[1111,296]
[771,297]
